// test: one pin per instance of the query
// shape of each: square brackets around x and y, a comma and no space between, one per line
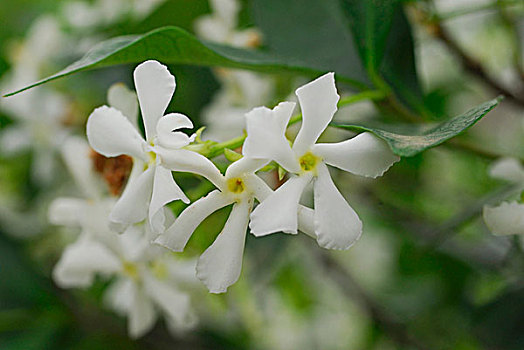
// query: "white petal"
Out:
[176,237]
[226,10]
[505,219]
[364,154]
[188,161]
[44,166]
[318,102]
[155,87]
[167,136]
[278,212]
[66,211]
[183,271]
[220,265]
[258,187]
[266,135]
[173,303]
[95,218]
[112,134]
[133,205]
[508,169]
[14,140]
[244,166]
[81,261]
[306,221]
[76,153]
[165,190]
[336,224]
[119,295]
[142,315]
[125,100]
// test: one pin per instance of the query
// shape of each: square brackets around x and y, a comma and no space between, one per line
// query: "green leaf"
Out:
[385,44]
[231,155]
[310,30]
[409,140]
[370,22]
[175,45]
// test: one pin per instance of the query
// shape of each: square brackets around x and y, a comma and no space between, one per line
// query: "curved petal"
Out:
[142,314]
[76,153]
[95,218]
[278,212]
[508,169]
[336,224]
[155,87]
[266,135]
[258,187]
[191,162]
[112,134]
[81,261]
[66,211]
[306,221]
[505,219]
[165,129]
[174,304]
[220,265]
[119,294]
[133,205]
[165,190]
[364,155]
[244,166]
[318,102]
[125,100]
[182,271]
[176,237]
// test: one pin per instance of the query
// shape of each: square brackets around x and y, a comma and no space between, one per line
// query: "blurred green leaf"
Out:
[175,45]
[370,22]
[382,34]
[500,324]
[409,140]
[310,30]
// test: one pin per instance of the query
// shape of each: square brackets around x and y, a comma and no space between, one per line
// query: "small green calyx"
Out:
[236,185]
[308,161]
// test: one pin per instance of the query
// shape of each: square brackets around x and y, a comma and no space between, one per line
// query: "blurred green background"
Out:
[427,273]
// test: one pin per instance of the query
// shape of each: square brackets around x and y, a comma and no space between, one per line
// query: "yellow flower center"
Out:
[130,270]
[308,161]
[236,185]
[151,161]
[159,270]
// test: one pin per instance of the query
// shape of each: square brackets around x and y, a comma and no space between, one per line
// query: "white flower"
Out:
[150,186]
[508,217]
[220,265]
[145,285]
[82,15]
[337,226]
[90,212]
[220,26]
[240,92]
[37,113]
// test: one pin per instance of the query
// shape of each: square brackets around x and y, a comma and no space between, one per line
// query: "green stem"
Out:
[214,150]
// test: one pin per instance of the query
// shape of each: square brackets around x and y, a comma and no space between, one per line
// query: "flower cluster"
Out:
[151,187]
